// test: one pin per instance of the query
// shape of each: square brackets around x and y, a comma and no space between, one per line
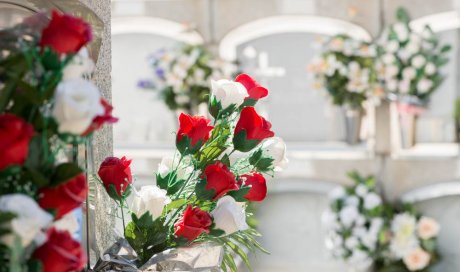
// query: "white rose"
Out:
[409,73]
[427,228]
[404,86]
[30,219]
[77,102]
[275,147]
[401,31]
[392,46]
[361,190]
[68,222]
[424,85]
[229,92]
[150,199]
[337,193]
[348,215]
[404,240]
[229,215]
[418,61]
[371,201]
[80,66]
[430,69]
[417,260]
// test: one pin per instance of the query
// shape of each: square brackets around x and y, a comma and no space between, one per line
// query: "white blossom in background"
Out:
[337,193]
[427,228]
[80,66]
[417,259]
[404,238]
[169,164]
[68,222]
[418,61]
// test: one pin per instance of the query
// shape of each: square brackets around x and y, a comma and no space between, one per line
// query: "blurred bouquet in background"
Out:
[47,108]
[355,222]
[201,193]
[408,63]
[182,75]
[346,71]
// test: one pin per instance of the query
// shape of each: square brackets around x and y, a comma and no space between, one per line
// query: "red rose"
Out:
[220,179]
[258,185]
[60,253]
[254,89]
[194,128]
[65,197]
[100,120]
[66,34]
[116,172]
[255,127]
[15,135]
[193,223]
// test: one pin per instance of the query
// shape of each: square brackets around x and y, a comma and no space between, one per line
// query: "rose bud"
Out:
[220,179]
[100,120]
[258,190]
[229,215]
[115,173]
[253,88]
[250,130]
[66,34]
[226,93]
[16,134]
[275,148]
[193,223]
[60,253]
[65,197]
[193,132]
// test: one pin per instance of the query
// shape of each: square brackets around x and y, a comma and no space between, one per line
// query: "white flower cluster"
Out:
[184,67]
[353,223]
[407,236]
[406,63]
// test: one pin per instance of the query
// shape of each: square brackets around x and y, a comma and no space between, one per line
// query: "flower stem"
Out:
[122,215]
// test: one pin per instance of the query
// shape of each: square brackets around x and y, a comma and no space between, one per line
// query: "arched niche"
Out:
[144,119]
[277,50]
[441,201]
[437,123]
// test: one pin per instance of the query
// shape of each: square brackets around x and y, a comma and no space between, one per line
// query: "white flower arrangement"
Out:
[408,63]
[346,70]
[354,222]
[182,75]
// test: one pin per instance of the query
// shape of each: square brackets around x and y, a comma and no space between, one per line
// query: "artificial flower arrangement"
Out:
[346,71]
[408,63]
[182,74]
[367,233]
[354,222]
[201,193]
[46,105]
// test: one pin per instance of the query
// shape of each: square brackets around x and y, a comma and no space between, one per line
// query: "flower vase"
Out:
[353,121]
[407,123]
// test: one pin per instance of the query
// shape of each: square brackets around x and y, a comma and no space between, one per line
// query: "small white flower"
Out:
[150,199]
[424,85]
[376,226]
[77,102]
[402,31]
[360,220]
[372,201]
[337,193]
[430,69]
[392,85]
[182,99]
[229,215]
[352,201]
[392,46]
[229,92]
[80,66]
[348,215]
[409,73]
[351,242]
[418,61]
[391,71]
[427,228]
[275,147]
[404,238]
[329,220]
[30,219]
[417,259]
[388,59]
[361,190]
[169,164]
[404,86]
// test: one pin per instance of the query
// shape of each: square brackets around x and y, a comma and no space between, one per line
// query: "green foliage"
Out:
[261,163]
[402,15]
[241,143]
[65,172]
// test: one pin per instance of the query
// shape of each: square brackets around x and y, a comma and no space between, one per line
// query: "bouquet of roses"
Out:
[346,71]
[354,223]
[408,63]
[46,106]
[182,75]
[201,193]
[412,243]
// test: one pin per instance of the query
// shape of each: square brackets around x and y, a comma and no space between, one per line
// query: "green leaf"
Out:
[36,177]
[201,192]
[174,205]
[446,48]
[65,172]
[241,143]
[402,15]
[239,195]
[226,160]
[50,59]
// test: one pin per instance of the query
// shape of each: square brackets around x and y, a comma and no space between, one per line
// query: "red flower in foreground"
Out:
[258,185]
[220,179]
[66,34]
[254,89]
[100,120]
[116,172]
[65,197]
[60,253]
[196,128]
[15,135]
[193,223]
[255,127]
